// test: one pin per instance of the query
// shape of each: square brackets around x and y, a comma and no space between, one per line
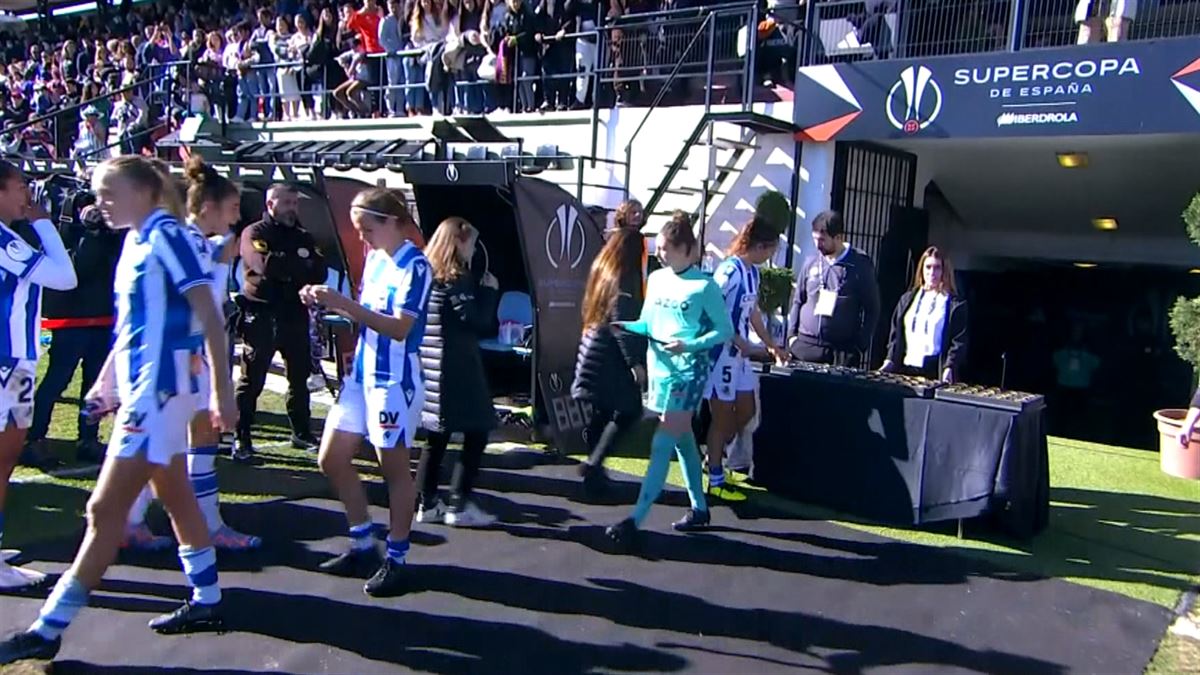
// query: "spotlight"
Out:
[1072,160]
[1104,224]
[1085,265]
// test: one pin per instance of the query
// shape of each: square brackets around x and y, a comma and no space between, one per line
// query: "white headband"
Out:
[379,214]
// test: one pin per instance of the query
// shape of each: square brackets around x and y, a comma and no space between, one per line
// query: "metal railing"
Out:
[849,30]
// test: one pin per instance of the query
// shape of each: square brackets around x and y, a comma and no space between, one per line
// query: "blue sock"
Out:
[689,458]
[397,550]
[656,474]
[362,536]
[200,568]
[68,597]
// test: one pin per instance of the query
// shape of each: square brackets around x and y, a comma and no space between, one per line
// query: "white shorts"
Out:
[16,394]
[387,417]
[729,376]
[152,430]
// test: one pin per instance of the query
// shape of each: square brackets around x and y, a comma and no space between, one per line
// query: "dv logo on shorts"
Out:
[5,374]
[389,420]
[133,422]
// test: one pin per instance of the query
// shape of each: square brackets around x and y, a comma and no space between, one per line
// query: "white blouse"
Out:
[924,323]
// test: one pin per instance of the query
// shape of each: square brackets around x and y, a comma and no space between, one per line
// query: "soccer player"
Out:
[383,395]
[160,287]
[684,318]
[24,271]
[213,206]
[732,381]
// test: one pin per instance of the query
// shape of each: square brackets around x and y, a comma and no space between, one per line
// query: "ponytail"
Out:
[205,185]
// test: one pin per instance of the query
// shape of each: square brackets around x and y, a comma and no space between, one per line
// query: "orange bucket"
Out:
[1175,459]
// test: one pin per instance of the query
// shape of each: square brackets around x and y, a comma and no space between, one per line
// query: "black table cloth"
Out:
[888,455]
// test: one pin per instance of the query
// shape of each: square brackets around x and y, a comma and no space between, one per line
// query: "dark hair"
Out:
[624,211]
[829,222]
[757,232]
[205,185]
[948,284]
[8,171]
[678,231]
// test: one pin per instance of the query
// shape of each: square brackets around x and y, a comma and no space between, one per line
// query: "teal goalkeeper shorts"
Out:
[676,394]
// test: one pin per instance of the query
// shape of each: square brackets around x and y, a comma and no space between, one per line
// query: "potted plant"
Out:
[775,283]
[1176,459]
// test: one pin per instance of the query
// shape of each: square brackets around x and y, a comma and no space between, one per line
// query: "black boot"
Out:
[353,563]
[28,645]
[388,581]
[623,534]
[190,618]
[692,521]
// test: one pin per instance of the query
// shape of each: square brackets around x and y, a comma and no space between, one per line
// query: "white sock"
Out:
[137,513]
[202,472]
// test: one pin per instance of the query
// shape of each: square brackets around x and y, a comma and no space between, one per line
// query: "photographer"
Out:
[80,320]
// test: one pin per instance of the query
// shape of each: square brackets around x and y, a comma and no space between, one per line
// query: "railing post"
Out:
[1016,24]
[711,161]
[751,59]
[810,28]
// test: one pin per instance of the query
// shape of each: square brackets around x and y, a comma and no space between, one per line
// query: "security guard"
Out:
[278,258]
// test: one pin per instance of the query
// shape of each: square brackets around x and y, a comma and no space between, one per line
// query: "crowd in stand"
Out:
[138,66]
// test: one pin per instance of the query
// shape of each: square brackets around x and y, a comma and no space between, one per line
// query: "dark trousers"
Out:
[559,61]
[263,334]
[68,347]
[807,349]
[605,429]
[474,443]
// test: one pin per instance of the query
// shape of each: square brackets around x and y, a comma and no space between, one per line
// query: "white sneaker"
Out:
[8,554]
[469,516]
[12,578]
[435,514]
[316,382]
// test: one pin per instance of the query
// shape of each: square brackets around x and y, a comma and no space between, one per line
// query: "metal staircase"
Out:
[722,144]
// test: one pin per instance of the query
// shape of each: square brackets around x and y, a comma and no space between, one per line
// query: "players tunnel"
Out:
[539,242]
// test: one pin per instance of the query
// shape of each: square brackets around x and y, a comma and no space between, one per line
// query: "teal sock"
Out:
[656,474]
[689,458]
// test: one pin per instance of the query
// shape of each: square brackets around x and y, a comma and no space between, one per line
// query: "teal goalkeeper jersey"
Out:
[687,306]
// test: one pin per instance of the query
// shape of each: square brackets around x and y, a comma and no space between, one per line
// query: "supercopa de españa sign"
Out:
[1122,88]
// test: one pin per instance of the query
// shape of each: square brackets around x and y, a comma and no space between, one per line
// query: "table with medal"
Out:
[900,449]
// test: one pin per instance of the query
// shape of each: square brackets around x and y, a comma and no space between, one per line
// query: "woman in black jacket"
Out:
[929,326]
[457,395]
[611,366]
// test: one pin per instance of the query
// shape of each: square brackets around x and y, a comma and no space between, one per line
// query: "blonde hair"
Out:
[151,175]
[442,250]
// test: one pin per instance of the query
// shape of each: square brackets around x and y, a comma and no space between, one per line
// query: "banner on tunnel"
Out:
[560,240]
[1107,89]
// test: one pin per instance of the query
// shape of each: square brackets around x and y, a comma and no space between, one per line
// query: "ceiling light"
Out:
[1085,266]
[1106,224]
[1194,271]
[1072,160]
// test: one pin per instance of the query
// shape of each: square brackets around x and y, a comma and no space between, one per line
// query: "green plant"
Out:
[775,289]
[1185,315]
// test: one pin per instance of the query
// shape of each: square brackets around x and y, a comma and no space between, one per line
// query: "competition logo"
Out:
[452,173]
[1189,93]
[914,101]
[5,374]
[566,239]
[556,382]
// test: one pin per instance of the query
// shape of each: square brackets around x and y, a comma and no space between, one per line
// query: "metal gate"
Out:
[873,188]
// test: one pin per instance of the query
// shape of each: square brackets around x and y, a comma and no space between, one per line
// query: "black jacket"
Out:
[523,25]
[856,311]
[606,358]
[278,260]
[94,249]
[457,395]
[953,354]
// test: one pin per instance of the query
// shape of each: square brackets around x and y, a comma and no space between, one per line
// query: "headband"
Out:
[378,214]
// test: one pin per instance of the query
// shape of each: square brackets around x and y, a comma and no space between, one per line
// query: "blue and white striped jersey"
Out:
[154,331]
[739,286]
[20,299]
[208,251]
[393,285]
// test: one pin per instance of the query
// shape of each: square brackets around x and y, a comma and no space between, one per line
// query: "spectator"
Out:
[495,14]
[289,89]
[241,59]
[358,78]
[520,27]
[297,48]
[393,35]
[554,19]
[365,24]
[130,122]
[263,40]
[429,29]
[92,142]
[466,29]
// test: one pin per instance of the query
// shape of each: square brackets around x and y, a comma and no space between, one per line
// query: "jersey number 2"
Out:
[25,396]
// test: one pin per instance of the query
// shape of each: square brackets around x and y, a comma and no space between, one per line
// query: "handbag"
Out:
[487,68]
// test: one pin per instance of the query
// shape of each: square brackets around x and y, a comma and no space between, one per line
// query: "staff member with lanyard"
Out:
[836,303]
[278,259]
[929,326]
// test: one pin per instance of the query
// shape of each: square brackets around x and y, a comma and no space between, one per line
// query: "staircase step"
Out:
[725,168]
[730,144]
[690,191]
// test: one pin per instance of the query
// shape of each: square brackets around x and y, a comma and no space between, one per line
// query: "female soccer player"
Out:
[684,318]
[23,273]
[382,397]
[160,287]
[732,381]
[213,205]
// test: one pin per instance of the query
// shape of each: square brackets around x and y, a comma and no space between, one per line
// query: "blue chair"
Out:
[517,308]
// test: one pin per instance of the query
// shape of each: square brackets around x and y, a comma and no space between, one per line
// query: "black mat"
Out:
[761,593]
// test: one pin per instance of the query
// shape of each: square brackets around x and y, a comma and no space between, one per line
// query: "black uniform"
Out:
[278,260]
